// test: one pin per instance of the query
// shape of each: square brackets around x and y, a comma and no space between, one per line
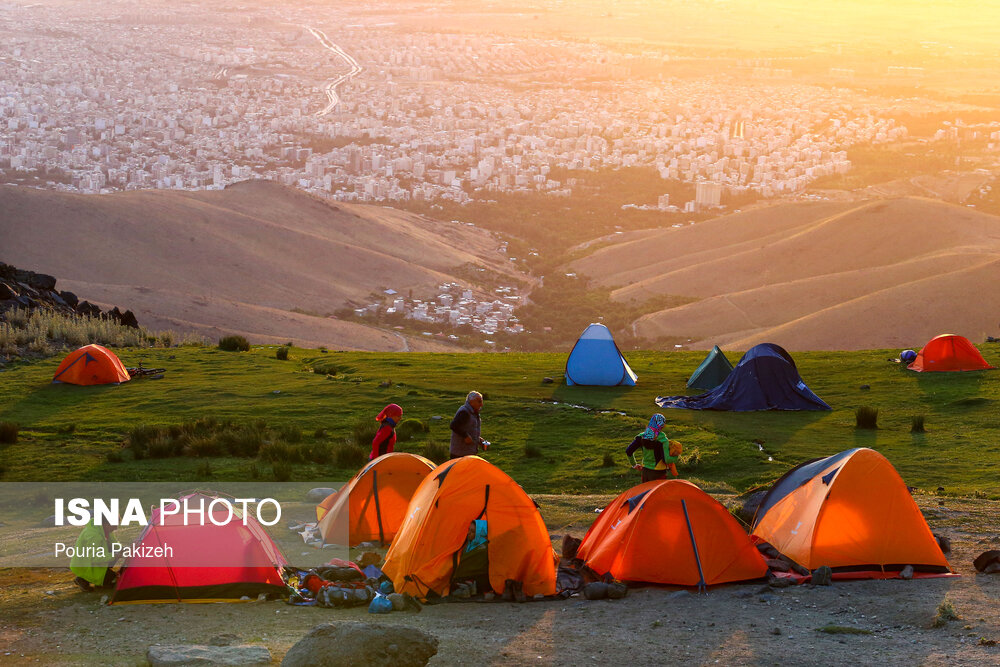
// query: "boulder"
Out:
[988,562]
[748,509]
[6,292]
[617,590]
[943,542]
[906,572]
[42,281]
[198,654]
[822,576]
[319,494]
[71,299]
[351,643]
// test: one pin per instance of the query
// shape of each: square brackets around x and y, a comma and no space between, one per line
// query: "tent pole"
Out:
[378,508]
[702,588]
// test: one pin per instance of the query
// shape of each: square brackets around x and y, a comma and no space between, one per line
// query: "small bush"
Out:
[8,432]
[281,354]
[866,417]
[319,433]
[917,424]
[205,446]
[292,434]
[204,470]
[409,428]
[532,451]
[609,460]
[945,613]
[282,471]
[253,472]
[317,452]
[363,432]
[114,456]
[281,451]
[234,344]
[435,451]
[162,447]
[350,456]
[245,440]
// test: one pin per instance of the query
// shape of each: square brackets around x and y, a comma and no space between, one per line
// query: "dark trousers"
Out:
[650,475]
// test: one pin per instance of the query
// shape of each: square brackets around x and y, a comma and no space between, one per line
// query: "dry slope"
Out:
[238,260]
[817,276]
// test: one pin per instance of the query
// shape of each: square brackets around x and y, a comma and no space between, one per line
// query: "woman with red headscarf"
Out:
[385,437]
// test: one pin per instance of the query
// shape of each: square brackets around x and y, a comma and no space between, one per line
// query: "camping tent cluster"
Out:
[850,511]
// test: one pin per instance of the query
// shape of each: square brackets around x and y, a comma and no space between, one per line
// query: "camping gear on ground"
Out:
[380,605]
[425,552]
[852,512]
[371,507]
[907,356]
[644,535]
[949,352]
[766,378]
[254,568]
[596,360]
[91,364]
[712,371]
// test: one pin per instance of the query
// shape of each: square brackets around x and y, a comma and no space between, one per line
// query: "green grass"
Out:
[67,432]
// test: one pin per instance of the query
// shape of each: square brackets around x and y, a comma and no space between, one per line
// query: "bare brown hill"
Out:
[240,260]
[845,275]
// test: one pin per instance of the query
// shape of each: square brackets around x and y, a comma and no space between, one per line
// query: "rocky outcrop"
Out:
[29,290]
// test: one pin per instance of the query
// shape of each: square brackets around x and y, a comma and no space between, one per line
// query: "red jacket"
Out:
[385,438]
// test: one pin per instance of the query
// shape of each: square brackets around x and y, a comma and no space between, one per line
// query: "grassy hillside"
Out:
[541,437]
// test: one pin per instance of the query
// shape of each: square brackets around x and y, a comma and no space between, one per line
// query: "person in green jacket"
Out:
[655,445]
[92,559]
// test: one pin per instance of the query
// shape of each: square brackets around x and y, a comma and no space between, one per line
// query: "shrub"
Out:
[282,471]
[609,460]
[350,455]
[204,469]
[162,447]
[319,433]
[435,451]
[139,438]
[114,456]
[363,432]
[408,428]
[245,440]
[234,344]
[281,451]
[866,417]
[253,472]
[291,433]
[917,424]
[317,452]
[8,432]
[167,338]
[532,451]
[281,354]
[945,613]
[204,446]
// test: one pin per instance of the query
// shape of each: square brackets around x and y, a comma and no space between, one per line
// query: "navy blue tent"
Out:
[765,379]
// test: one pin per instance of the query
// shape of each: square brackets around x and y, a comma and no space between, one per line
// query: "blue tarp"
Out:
[596,360]
[765,379]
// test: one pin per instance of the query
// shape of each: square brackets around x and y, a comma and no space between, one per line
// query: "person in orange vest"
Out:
[658,451]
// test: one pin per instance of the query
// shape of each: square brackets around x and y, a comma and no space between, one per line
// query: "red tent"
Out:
[252,561]
[949,352]
[91,364]
[644,535]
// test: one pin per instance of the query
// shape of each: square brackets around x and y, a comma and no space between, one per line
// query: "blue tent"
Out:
[765,379]
[596,360]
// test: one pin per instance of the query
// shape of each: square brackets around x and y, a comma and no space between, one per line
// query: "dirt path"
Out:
[744,624]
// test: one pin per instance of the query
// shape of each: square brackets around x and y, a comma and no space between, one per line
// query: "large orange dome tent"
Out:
[949,352]
[91,364]
[422,558]
[643,535]
[372,506]
[852,512]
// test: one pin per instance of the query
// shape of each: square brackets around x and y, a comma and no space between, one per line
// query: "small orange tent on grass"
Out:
[206,563]
[643,536]
[949,352]
[91,364]
[422,558]
[852,512]
[373,504]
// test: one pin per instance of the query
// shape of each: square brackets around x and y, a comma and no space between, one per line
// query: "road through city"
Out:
[331,88]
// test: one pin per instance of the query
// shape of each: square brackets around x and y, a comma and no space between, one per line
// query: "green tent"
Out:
[712,372]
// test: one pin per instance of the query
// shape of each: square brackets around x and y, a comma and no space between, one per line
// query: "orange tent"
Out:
[91,364]
[850,511]
[949,352]
[422,558]
[643,536]
[373,504]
